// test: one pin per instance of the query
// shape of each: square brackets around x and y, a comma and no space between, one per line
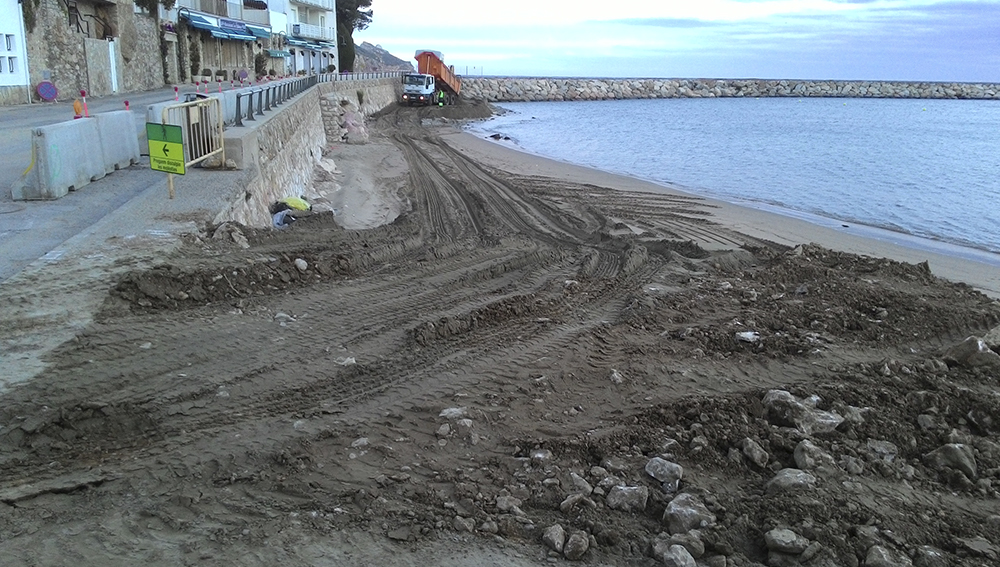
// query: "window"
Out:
[11,64]
[10,42]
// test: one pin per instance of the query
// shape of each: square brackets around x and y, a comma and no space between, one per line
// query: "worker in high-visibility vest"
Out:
[440,98]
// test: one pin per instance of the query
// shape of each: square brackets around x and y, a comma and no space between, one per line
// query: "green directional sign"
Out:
[166,147]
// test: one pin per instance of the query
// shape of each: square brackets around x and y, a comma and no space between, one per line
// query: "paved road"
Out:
[30,230]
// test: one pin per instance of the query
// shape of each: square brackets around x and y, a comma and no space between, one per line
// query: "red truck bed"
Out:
[430,63]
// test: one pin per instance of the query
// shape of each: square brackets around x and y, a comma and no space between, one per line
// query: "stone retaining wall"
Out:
[543,89]
[281,152]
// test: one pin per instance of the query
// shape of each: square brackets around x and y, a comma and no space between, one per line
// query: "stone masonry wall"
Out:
[286,149]
[543,89]
[290,144]
[339,97]
[57,52]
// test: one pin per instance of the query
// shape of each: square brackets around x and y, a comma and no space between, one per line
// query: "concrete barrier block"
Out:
[67,156]
[119,145]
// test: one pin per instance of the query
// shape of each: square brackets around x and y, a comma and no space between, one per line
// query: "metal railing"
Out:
[311,31]
[253,103]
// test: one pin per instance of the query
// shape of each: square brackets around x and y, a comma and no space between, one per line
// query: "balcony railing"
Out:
[226,9]
[310,31]
[329,5]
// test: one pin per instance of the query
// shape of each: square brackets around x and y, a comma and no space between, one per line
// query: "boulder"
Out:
[784,409]
[789,480]
[879,556]
[685,513]
[971,353]
[627,498]
[753,451]
[668,473]
[785,541]
[576,546]
[808,456]
[672,555]
[954,455]
[554,537]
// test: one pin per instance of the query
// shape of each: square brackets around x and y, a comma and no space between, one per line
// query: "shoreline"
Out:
[952,262]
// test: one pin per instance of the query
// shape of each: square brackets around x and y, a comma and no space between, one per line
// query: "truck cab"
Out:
[418,89]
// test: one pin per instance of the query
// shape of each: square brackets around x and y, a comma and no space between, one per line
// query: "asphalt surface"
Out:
[31,229]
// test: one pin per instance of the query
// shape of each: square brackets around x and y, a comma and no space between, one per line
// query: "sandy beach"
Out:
[485,357]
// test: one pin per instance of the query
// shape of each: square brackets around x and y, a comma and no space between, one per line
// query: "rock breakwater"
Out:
[547,89]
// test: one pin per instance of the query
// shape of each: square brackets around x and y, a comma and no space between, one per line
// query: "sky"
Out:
[891,40]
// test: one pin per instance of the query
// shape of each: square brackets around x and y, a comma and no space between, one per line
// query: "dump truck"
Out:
[433,83]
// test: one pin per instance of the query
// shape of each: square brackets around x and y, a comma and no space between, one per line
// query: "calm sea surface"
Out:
[928,168]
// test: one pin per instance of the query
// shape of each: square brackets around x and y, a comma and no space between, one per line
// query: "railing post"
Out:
[267,98]
[250,106]
[260,102]
[239,119]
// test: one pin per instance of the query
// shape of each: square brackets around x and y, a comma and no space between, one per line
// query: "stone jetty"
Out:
[549,89]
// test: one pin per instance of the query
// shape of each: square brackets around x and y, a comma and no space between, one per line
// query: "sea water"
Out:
[927,168]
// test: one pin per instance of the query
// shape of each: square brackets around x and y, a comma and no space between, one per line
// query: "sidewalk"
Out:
[31,229]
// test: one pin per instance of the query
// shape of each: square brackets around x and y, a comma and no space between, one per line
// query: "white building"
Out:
[311,35]
[14,83]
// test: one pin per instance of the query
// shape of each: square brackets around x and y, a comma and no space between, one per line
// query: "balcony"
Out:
[329,5]
[226,9]
[310,31]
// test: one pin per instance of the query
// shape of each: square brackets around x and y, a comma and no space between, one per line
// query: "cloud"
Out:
[931,40]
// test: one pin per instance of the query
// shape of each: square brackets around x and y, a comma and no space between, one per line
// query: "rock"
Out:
[627,498]
[714,561]
[685,513]
[453,413]
[852,465]
[753,451]
[992,338]
[554,537]
[778,559]
[927,556]
[789,480]
[785,541]
[400,534]
[879,556]
[463,524]
[507,503]
[884,450]
[971,353]
[674,556]
[579,484]
[301,265]
[443,431]
[809,457]
[953,455]
[784,409]
[577,545]
[979,547]
[810,551]
[666,472]
[575,499]
[541,455]
[489,527]
[691,543]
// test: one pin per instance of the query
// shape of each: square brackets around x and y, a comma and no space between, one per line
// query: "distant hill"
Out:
[372,58]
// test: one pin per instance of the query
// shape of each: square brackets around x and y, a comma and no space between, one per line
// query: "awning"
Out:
[201,23]
[297,42]
[218,34]
[259,31]
[278,53]
[241,37]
